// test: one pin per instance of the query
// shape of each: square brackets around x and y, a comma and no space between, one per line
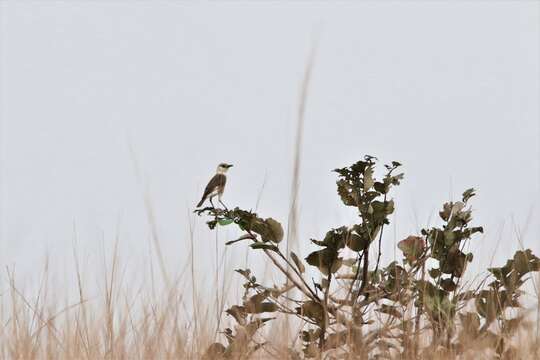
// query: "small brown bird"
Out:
[216,185]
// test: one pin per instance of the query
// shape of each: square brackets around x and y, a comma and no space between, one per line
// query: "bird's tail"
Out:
[201,202]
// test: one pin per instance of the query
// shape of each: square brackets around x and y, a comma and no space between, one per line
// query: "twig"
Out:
[297,274]
[364,271]
[380,240]
[325,307]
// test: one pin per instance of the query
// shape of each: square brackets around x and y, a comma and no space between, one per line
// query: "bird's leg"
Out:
[221,202]
[212,202]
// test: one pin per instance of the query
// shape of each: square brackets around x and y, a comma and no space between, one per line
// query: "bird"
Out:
[216,185]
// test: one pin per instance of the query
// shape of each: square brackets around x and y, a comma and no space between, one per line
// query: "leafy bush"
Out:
[358,309]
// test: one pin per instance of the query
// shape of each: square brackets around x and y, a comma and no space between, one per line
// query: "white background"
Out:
[450,89]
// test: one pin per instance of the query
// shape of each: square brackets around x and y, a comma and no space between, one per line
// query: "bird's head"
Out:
[223,167]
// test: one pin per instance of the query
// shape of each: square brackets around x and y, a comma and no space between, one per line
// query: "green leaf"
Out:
[487,305]
[412,247]
[379,211]
[521,262]
[316,258]
[326,260]
[381,187]
[334,239]
[225,222]
[434,273]
[368,178]
[450,237]
[347,194]
[476,229]
[275,233]
[396,179]
[454,263]
[211,224]
[244,272]
[448,284]
[269,229]
[446,211]
[357,242]
[312,310]
[336,265]
[469,193]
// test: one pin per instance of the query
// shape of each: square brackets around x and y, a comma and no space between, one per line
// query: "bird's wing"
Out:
[218,180]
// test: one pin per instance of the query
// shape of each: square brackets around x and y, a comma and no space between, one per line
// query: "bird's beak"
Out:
[230,165]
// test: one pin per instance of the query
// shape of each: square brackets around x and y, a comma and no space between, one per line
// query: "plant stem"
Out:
[418,315]
[297,273]
[364,273]
[325,307]
[305,289]
[288,275]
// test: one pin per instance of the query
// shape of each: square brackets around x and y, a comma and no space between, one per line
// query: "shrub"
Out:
[358,309]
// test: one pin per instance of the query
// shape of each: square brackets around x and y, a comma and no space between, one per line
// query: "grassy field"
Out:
[121,321]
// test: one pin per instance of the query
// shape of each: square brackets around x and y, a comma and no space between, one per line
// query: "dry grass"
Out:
[116,320]
[123,322]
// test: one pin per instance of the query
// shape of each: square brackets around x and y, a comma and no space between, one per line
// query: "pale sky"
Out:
[449,89]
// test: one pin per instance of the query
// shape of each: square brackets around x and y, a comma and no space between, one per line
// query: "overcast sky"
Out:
[449,89]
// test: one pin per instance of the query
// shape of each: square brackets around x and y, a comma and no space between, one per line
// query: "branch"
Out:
[325,308]
[298,274]
[380,240]
[288,275]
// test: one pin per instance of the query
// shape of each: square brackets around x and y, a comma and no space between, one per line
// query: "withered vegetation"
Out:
[418,307]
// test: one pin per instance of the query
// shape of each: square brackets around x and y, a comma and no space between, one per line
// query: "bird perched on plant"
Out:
[216,185]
